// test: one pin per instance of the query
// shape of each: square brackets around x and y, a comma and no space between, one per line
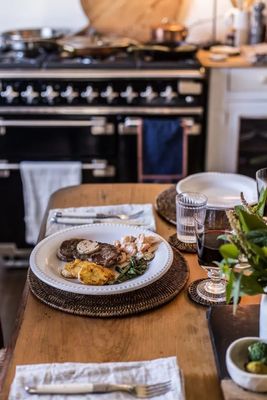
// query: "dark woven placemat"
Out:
[193,295]
[165,204]
[177,244]
[115,305]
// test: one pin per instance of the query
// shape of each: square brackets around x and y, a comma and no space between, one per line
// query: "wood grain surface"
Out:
[132,19]
[176,329]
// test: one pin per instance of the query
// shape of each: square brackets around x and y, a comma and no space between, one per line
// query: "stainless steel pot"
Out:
[31,39]
[168,32]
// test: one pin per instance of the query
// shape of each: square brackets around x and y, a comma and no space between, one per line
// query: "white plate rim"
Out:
[128,286]
[221,174]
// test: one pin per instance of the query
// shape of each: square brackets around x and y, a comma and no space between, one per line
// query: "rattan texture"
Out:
[116,305]
[193,295]
[165,204]
[178,245]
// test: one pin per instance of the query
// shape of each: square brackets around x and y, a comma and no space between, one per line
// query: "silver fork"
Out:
[139,391]
[60,214]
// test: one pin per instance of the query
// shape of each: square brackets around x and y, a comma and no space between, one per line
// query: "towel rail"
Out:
[94,165]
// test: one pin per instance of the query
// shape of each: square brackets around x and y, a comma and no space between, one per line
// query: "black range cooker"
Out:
[54,107]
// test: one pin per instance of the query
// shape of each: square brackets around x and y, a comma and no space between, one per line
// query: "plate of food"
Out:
[101,259]
[222,189]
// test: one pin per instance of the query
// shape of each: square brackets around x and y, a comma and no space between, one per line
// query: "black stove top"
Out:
[122,60]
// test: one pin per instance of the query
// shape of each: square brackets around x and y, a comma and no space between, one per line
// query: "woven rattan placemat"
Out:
[165,204]
[116,305]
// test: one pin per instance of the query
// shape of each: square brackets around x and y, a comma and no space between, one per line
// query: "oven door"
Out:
[168,147]
[93,141]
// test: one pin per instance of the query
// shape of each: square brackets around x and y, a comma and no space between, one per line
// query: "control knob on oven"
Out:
[129,94]
[9,94]
[89,94]
[149,94]
[49,94]
[168,94]
[70,94]
[29,94]
[109,94]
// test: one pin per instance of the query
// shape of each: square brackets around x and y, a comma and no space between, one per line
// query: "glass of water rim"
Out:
[190,206]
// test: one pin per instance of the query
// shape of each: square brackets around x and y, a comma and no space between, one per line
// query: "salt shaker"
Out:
[257,24]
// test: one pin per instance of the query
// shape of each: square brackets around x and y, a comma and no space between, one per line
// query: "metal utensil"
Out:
[139,391]
[60,214]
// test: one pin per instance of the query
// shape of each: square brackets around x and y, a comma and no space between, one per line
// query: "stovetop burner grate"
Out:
[121,60]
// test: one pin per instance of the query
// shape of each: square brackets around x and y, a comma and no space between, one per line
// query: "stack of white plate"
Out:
[222,189]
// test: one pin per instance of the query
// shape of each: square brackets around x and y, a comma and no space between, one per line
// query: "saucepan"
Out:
[32,39]
[168,32]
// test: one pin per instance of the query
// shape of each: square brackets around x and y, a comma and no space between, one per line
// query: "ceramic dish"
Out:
[46,265]
[236,357]
[225,50]
[222,189]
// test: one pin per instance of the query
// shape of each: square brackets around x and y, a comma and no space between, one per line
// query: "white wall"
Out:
[196,14]
[37,13]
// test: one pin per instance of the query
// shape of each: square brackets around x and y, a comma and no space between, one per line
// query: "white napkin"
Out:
[142,372]
[40,180]
[146,219]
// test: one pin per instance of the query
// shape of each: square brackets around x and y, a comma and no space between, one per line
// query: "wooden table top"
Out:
[179,328]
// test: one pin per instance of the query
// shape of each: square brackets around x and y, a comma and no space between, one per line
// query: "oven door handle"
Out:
[43,123]
[94,165]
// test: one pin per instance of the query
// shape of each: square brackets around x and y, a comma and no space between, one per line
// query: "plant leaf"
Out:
[261,203]
[229,250]
[249,222]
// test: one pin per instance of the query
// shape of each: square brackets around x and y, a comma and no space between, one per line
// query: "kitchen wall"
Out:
[196,14]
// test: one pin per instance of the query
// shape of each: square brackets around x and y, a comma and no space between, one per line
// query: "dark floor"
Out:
[12,282]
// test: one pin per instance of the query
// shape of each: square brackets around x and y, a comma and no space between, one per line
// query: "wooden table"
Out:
[178,328]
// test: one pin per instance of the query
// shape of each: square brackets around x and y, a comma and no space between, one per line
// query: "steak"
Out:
[106,254]
[68,249]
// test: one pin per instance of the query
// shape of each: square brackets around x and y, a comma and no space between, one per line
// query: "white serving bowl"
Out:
[236,358]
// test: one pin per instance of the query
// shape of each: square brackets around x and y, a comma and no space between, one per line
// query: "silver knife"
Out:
[83,221]
[60,214]
[76,388]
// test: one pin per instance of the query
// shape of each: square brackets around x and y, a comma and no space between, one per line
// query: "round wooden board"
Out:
[133,19]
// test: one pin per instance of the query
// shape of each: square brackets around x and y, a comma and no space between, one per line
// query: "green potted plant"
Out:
[244,261]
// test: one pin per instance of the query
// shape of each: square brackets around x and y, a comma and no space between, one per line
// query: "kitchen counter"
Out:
[231,62]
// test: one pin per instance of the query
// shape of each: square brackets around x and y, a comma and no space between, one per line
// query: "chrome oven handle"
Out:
[44,123]
[6,167]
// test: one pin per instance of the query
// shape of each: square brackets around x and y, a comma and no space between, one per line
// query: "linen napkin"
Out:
[142,372]
[146,219]
[40,180]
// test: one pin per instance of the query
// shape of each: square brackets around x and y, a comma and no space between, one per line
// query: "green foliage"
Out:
[257,351]
[244,261]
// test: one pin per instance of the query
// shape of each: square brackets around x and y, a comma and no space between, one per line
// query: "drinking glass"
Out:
[208,242]
[261,178]
[190,206]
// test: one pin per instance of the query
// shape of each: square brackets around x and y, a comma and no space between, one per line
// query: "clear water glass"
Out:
[190,206]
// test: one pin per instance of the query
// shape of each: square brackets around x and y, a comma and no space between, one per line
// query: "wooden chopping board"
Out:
[133,19]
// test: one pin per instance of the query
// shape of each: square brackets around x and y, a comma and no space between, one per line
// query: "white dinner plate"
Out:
[222,189]
[46,265]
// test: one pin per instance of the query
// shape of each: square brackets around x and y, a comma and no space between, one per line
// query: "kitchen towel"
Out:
[146,219]
[162,150]
[142,372]
[40,180]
